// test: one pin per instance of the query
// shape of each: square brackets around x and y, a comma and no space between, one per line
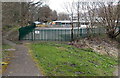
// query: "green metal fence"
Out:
[24,31]
[49,34]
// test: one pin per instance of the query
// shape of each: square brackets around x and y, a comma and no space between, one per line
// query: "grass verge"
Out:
[7,53]
[57,59]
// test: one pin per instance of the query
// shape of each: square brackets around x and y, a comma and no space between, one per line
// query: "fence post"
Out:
[61,34]
[55,34]
[80,32]
[19,35]
[58,34]
[72,34]
[45,35]
[65,35]
[32,36]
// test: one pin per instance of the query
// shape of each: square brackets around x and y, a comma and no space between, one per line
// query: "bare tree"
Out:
[63,16]
[69,7]
[34,10]
[44,13]
[78,17]
[53,16]
[10,13]
[18,13]
[105,14]
[90,16]
[110,18]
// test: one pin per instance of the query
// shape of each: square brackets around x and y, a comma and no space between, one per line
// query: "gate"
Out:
[23,31]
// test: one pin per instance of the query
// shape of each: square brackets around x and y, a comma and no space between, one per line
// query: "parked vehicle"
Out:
[40,24]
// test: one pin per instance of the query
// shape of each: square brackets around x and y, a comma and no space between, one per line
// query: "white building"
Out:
[68,23]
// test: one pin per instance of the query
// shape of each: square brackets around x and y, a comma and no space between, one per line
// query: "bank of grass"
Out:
[5,46]
[6,56]
[7,28]
[57,59]
[6,52]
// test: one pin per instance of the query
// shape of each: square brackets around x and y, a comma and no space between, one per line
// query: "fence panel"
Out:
[58,34]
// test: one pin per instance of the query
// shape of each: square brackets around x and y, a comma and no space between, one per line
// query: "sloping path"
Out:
[22,63]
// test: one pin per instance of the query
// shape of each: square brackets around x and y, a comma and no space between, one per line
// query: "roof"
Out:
[63,21]
[68,21]
[37,22]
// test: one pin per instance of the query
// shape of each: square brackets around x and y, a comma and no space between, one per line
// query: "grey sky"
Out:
[59,5]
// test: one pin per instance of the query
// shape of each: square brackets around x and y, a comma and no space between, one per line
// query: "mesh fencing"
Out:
[61,34]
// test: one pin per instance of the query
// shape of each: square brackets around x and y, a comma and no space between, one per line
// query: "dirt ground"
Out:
[100,45]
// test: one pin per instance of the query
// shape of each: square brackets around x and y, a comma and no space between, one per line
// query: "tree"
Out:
[53,16]
[110,18]
[44,13]
[63,16]
[19,13]
[10,13]
[105,14]
[69,7]
[90,17]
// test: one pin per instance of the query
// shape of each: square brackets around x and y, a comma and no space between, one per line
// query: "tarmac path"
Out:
[22,63]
